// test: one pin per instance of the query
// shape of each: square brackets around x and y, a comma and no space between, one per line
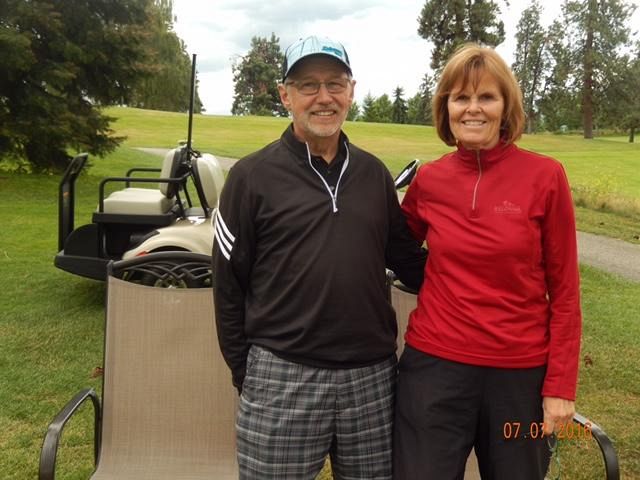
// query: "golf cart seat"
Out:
[144,205]
[208,179]
[138,201]
[168,404]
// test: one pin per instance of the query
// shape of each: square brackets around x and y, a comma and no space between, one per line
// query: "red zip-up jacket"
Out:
[501,284]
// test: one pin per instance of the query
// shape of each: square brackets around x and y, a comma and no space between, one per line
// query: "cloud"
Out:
[380,36]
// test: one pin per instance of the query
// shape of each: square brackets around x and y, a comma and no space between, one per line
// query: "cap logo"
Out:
[333,50]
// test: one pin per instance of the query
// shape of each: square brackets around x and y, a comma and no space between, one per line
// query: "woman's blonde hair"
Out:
[468,64]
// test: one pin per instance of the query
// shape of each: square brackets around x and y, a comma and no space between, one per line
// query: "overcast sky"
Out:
[380,36]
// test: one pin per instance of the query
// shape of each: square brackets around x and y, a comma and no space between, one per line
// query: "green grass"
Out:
[51,322]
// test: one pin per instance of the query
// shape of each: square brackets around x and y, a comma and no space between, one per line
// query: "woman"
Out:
[492,348]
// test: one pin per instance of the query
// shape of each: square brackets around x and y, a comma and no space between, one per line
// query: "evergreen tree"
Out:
[399,108]
[383,109]
[369,108]
[531,60]
[427,87]
[256,76]
[59,62]
[595,32]
[354,112]
[415,106]
[419,106]
[450,23]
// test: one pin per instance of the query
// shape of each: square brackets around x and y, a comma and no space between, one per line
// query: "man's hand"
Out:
[557,412]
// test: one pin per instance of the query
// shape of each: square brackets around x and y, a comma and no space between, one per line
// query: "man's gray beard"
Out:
[323,134]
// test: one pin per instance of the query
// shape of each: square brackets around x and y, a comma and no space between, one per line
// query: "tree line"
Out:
[580,73]
[61,61]
[415,110]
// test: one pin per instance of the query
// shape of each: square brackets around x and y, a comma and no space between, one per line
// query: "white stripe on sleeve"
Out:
[229,235]
[224,238]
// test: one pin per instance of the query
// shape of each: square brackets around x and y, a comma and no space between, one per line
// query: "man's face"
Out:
[317,116]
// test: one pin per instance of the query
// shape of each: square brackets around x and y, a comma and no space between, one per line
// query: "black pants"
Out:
[444,408]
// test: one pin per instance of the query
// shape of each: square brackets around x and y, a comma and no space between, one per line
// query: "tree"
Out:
[560,99]
[595,31]
[419,106]
[399,108]
[622,109]
[632,123]
[377,110]
[60,61]
[383,109]
[168,85]
[354,112]
[415,108]
[450,23]
[369,113]
[531,60]
[256,76]
[630,118]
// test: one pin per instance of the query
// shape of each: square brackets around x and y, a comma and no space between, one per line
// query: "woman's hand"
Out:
[557,412]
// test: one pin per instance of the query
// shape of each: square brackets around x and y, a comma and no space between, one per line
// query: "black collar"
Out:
[299,149]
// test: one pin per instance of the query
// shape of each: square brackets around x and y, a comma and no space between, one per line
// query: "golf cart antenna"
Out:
[191,101]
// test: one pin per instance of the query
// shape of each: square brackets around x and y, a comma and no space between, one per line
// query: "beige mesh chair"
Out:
[168,405]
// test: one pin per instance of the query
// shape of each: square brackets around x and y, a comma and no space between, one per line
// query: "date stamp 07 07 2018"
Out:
[534,430]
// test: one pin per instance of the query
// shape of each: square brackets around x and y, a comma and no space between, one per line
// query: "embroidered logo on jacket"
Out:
[507,207]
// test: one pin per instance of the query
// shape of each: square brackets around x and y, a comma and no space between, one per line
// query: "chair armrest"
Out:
[608,452]
[52,438]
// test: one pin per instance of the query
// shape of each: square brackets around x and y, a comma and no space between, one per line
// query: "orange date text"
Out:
[534,430]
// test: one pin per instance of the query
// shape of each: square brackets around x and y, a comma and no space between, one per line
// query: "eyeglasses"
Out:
[309,87]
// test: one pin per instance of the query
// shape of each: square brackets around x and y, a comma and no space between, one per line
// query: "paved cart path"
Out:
[610,254]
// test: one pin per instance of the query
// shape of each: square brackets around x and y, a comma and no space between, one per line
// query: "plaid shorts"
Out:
[291,416]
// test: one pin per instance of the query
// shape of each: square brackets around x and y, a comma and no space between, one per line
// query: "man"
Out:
[304,229]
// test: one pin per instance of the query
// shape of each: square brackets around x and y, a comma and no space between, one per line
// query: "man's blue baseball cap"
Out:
[313,45]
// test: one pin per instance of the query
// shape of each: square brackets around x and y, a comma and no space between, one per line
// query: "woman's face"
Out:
[475,114]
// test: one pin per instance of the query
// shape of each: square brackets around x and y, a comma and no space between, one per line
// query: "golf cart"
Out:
[133,221]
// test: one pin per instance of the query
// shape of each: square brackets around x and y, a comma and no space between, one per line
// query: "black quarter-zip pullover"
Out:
[300,269]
